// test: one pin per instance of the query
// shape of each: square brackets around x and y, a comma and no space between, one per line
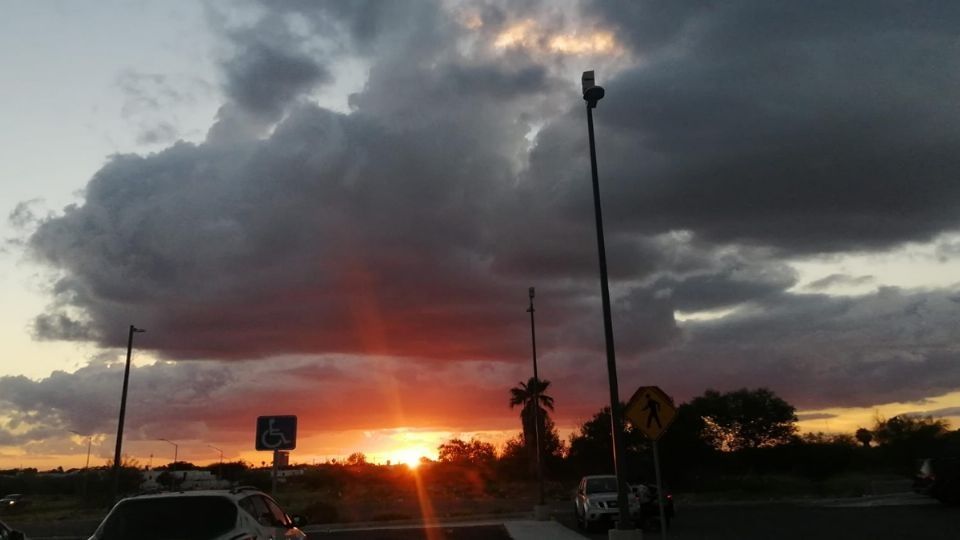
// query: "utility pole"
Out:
[123,412]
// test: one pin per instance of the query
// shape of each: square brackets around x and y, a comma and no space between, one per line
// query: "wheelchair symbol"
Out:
[273,437]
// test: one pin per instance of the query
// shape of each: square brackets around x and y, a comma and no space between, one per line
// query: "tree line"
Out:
[716,434]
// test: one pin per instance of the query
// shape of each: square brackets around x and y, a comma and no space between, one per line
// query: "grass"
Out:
[372,501]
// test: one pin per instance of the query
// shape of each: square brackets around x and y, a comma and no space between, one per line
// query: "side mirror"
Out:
[16,535]
[298,520]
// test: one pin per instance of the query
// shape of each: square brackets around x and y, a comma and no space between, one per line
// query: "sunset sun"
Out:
[409,456]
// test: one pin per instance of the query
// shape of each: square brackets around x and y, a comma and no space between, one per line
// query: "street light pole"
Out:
[592,94]
[123,412]
[536,399]
[220,468]
[86,466]
[176,448]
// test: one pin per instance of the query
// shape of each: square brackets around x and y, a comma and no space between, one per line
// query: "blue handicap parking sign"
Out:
[276,433]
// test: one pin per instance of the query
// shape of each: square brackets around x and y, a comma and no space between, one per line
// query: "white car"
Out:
[236,514]
[596,501]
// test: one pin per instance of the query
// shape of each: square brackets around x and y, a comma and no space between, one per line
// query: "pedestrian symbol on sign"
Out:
[651,411]
[654,407]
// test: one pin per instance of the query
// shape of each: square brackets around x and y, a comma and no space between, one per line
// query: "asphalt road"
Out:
[485,532]
[907,518]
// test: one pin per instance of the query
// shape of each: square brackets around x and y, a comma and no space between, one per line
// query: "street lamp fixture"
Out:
[123,412]
[592,94]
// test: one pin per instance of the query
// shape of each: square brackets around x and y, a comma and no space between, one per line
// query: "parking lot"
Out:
[907,517]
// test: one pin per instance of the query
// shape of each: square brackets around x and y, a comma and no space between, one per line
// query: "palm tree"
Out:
[525,396]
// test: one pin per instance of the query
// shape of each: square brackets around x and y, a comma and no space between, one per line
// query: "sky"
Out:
[335,210]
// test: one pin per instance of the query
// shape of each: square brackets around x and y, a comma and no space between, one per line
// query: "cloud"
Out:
[815,416]
[151,102]
[220,401]
[819,351]
[805,128]
[411,226]
[834,280]
[262,79]
[937,413]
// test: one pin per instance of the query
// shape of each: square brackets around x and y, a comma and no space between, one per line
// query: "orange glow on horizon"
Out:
[409,456]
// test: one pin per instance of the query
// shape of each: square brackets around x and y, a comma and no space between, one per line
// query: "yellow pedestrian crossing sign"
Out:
[651,411]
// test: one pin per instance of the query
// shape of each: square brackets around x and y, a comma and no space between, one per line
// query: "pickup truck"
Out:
[939,478]
[596,503]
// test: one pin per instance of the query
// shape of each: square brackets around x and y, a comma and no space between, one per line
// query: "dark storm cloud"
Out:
[413,225]
[736,280]
[355,233]
[820,351]
[812,127]
[375,26]
[263,78]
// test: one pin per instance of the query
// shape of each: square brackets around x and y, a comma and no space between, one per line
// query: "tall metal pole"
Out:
[86,467]
[592,94]
[176,456]
[656,467]
[220,469]
[273,474]
[536,398]
[123,412]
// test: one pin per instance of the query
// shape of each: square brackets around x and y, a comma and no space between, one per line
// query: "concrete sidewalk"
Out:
[539,530]
[518,529]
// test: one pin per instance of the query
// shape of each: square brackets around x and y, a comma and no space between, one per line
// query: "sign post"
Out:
[276,433]
[651,411]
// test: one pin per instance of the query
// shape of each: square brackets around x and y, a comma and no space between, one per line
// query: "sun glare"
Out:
[408,456]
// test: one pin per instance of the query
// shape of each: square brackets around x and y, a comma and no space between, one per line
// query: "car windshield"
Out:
[169,518]
[601,485]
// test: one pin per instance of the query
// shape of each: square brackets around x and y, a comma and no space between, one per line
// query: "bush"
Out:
[320,512]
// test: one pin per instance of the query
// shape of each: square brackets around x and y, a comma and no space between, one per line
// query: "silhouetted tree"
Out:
[356,458]
[524,396]
[904,439]
[475,452]
[907,428]
[864,435]
[591,447]
[745,419]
